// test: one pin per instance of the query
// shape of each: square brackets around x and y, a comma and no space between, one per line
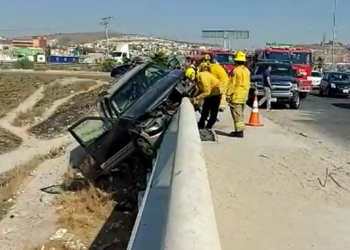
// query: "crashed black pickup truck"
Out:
[133,115]
[283,79]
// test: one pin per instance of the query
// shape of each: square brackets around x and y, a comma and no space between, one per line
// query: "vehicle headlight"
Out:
[295,86]
[333,86]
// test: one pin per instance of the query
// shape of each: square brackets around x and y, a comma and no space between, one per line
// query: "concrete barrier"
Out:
[177,211]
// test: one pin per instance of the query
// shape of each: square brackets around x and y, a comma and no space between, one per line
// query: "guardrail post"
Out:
[191,223]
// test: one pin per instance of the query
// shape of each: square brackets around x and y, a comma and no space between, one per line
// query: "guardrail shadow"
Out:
[342,105]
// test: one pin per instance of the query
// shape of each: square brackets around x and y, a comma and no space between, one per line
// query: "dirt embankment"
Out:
[43,201]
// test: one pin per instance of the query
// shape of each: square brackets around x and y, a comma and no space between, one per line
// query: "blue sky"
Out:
[267,20]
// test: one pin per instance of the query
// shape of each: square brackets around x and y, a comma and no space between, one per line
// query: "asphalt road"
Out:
[320,116]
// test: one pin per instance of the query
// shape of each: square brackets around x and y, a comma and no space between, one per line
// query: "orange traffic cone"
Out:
[254,119]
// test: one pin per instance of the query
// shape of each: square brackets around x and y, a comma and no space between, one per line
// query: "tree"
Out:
[23,64]
[107,65]
[160,58]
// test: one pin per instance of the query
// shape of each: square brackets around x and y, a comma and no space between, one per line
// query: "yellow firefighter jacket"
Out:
[239,85]
[203,66]
[207,84]
[219,72]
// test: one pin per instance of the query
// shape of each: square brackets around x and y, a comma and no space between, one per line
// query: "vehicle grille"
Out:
[343,87]
[280,87]
[285,86]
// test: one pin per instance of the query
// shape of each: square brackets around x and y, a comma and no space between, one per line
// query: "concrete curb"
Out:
[191,222]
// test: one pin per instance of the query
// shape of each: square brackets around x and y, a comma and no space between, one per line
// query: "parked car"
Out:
[134,113]
[315,79]
[283,79]
[335,84]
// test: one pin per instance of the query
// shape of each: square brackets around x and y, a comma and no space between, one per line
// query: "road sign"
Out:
[226,35]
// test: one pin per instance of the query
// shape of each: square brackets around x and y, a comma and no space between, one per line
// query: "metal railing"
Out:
[177,212]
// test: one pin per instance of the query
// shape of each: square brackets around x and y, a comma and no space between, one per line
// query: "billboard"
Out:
[225,34]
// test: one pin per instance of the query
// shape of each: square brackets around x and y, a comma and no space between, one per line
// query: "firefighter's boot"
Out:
[237,134]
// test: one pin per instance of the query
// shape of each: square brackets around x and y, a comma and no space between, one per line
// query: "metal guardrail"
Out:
[177,212]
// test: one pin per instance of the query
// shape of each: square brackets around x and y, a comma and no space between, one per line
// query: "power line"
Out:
[105,23]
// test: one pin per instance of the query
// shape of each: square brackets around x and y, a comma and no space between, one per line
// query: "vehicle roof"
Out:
[117,83]
[273,63]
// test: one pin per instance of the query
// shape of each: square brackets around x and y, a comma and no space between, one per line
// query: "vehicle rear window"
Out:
[276,69]
[137,86]
[339,77]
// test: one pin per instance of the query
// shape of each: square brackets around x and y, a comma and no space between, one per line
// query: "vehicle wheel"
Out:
[303,95]
[320,92]
[143,145]
[326,93]
[296,103]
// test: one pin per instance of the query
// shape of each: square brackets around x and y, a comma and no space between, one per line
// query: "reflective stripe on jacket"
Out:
[239,85]
[219,72]
[208,85]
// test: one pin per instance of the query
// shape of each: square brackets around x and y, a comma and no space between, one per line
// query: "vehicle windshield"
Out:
[137,86]
[301,58]
[339,77]
[276,69]
[223,58]
[316,74]
[278,56]
[116,54]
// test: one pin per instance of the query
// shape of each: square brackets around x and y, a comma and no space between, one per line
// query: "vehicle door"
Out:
[324,82]
[101,137]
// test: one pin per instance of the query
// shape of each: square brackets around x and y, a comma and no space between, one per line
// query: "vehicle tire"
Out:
[143,145]
[320,92]
[326,93]
[303,95]
[295,104]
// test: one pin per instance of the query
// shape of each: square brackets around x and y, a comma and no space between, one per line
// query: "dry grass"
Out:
[11,182]
[74,109]
[8,141]
[84,211]
[15,88]
[51,93]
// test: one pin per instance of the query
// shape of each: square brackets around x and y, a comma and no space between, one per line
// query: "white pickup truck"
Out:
[315,79]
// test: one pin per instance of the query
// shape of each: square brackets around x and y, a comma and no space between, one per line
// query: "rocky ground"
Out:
[43,203]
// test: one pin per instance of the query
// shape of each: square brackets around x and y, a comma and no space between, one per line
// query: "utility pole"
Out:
[105,22]
[334,32]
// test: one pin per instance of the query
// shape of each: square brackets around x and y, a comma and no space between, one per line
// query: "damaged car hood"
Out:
[155,95]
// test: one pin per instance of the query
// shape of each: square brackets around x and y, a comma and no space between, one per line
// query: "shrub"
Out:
[23,64]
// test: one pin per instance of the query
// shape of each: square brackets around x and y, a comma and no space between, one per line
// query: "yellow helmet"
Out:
[205,67]
[190,73]
[240,56]
[206,57]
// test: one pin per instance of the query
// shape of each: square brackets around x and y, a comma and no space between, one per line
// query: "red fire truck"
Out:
[300,58]
[224,58]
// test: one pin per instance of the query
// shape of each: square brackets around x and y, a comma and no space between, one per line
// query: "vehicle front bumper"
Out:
[305,86]
[340,91]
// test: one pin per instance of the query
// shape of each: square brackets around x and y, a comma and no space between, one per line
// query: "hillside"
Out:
[85,37]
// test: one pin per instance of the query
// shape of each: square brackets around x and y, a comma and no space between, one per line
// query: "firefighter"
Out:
[220,73]
[209,90]
[205,63]
[237,94]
